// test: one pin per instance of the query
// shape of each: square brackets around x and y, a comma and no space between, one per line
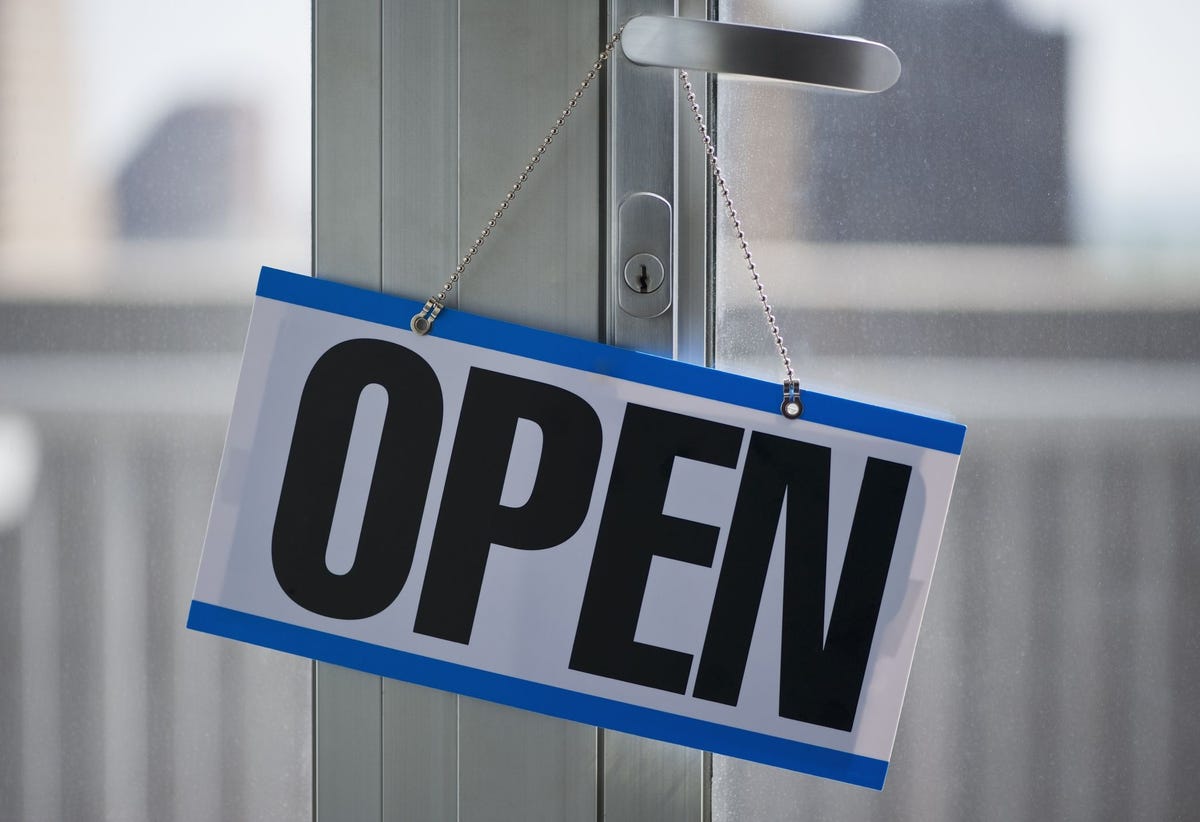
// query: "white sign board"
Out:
[574,529]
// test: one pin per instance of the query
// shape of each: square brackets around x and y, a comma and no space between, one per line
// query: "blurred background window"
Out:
[1010,235]
[152,157]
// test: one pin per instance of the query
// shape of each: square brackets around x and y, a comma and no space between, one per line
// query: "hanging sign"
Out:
[574,529]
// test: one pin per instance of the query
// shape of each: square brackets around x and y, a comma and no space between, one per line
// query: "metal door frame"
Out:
[422,114]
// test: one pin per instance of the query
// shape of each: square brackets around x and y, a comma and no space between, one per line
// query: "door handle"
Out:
[646,191]
[845,63]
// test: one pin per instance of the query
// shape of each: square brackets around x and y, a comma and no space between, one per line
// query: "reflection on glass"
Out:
[1009,236]
[152,157]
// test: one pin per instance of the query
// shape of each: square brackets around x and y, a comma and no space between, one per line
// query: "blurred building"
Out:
[927,163]
[52,214]
[197,175]
[70,228]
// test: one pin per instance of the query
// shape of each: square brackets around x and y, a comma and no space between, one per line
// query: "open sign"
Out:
[574,529]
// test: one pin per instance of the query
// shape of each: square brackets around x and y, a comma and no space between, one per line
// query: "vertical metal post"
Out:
[642,206]
[347,166]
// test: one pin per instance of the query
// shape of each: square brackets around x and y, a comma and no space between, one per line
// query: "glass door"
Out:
[1008,236]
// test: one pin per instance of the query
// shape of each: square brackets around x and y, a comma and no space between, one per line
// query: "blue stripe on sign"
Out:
[849,415]
[532,696]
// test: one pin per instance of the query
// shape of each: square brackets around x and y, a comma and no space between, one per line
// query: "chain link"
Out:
[423,320]
[723,187]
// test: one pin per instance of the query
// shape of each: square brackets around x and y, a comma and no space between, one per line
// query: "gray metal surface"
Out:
[645,779]
[347,203]
[347,739]
[347,168]
[419,143]
[518,766]
[420,753]
[517,69]
[845,63]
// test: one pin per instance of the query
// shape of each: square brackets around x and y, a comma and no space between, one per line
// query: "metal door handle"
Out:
[846,63]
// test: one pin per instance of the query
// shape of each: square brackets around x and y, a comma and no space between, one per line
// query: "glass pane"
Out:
[1008,235]
[152,157]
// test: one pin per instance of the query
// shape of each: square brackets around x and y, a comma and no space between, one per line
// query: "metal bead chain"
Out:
[723,187]
[423,321]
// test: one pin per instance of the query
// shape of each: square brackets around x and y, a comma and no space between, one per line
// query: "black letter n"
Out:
[821,673]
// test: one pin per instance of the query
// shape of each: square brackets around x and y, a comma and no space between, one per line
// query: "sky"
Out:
[1135,119]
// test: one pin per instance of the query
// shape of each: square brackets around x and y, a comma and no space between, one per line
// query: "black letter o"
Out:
[396,499]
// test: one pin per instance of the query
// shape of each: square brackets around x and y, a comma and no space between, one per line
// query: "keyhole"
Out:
[643,273]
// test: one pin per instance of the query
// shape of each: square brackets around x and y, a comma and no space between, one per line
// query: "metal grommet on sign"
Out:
[791,407]
[422,321]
